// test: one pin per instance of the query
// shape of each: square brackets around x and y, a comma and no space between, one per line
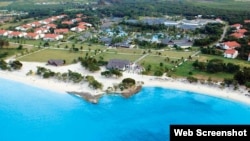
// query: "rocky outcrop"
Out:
[87,96]
[131,91]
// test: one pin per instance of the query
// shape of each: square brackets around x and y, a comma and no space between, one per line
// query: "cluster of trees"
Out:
[91,63]
[192,79]
[141,26]
[44,72]
[135,9]
[67,76]
[146,44]
[3,54]
[155,70]
[243,77]
[216,65]
[127,83]
[213,32]
[3,43]
[12,65]
[3,65]
[94,83]
[211,51]
[110,73]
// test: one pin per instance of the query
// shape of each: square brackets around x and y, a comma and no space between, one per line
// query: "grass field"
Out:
[107,56]
[84,46]
[10,51]
[45,55]
[185,68]
[226,60]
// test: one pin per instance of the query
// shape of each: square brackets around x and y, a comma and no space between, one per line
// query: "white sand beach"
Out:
[149,81]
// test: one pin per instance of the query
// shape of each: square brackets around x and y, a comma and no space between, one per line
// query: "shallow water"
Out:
[32,114]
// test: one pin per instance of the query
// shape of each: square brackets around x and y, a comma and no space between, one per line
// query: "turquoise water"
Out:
[32,114]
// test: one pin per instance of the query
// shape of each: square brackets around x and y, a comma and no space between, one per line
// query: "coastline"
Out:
[149,81]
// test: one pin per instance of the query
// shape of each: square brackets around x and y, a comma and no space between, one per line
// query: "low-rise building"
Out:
[118,64]
[230,45]
[230,53]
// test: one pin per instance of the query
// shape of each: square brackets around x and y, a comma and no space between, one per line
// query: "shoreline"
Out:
[149,81]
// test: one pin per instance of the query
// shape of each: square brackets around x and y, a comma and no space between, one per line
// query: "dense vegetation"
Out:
[134,9]
[110,73]
[213,32]
[215,66]
[127,83]
[12,65]
[3,43]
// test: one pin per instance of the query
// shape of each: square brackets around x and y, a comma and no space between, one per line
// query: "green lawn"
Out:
[79,45]
[108,56]
[184,69]
[154,62]
[242,63]
[10,52]
[45,55]
[173,54]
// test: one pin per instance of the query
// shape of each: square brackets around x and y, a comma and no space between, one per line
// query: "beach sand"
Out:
[149,81]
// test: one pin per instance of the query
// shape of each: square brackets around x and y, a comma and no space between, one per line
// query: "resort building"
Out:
[118,64]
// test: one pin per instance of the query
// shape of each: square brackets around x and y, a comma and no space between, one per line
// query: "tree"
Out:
[192,79]
[20,47]
[158,73]
[161,64]
[3,65]
[46,44]
[16,65]
[128,82]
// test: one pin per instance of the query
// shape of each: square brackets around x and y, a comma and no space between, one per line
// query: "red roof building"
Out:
[2,32]
[231,45]
[41,30]
[51,37]
[237,26]
[246,21]
[15,34]
[79,15]
[35,24]
[61,31]
[31,35]
[48,26]
[242,31]
[237,35]
[231,53]
[67,22]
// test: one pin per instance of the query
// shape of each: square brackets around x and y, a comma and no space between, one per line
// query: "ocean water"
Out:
[32,114]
